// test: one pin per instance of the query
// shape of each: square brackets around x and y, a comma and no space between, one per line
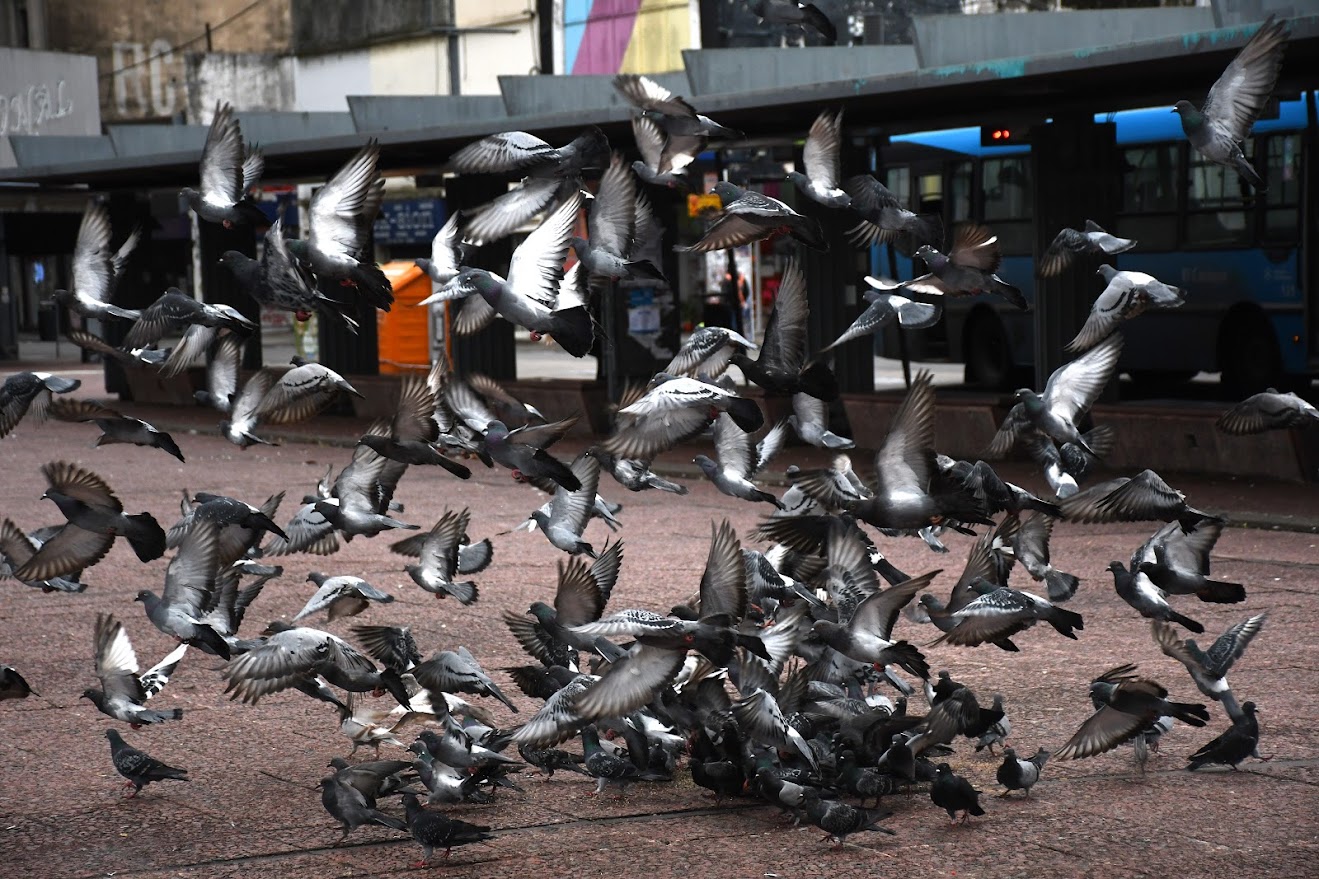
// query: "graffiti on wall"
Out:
[147,79]
[27,111]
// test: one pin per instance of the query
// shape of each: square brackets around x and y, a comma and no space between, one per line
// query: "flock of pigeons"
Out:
[767,677]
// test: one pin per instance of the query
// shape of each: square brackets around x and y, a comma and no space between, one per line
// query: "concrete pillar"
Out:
[1077,171]
[133,288]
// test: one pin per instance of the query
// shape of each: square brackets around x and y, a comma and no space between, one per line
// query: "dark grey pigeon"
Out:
[1127,295]
[579,599]
[1126,706]
[867,633]
[1239,742]
[413,431]
[883,309]
[434,830]
[450,672]
[1209,670]
[1139,498]
[782,366]
[148,356]
[1000,612]
[954,794]
[968,269]
[228,174]
[280,281]
[96,269]
[241,524]
[437,567]
[139,767]
[115,427]
[1070,392]
[30,391]
[839,820]
[124,691]
[676,117]
[96,518]
[805,15]
[1071,243]
[1177,562]
[1018,774]
[634,474]
[740,460]
[751,216]
[15,550]
[342,596]
[350,807]
[510,450]
[1030,546]
[189,579]
[177,313]
[291,657]
[884,219]
[342,214]
[1236,100]
[360,498]
[822,161]
[13,685]
[1269,410]
[1149,600]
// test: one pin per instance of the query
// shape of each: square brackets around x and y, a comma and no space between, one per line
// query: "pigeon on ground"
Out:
[805,15]
[1236,100]
[1069,243]
[115,427]
[1139,498]
[343,596]
[1209,669]
[739,460]
[1127,295]
[839,820]
[822,161]
[434,830]
[342,213]
[1269,410]
[882,310]
[124,691]
[751,216]
[968,269]
[909,492]
[15,550]
[189,580]
[954,794]
[13,685]
[884,219]
[199,323]
[439,562]
[139,767]
[782,366]
[1070,392]
[673,410]
[1126,705]
[610,249]
[96,517]
[30,391]
[1018,774]
[347,805]
[228,175]
[1149,600]
[1239,742]
[707,353]
[810,421]
[95,269]
[998,732]
[1177,562]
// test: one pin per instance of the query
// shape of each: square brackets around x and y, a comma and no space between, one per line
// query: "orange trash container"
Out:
[402,332]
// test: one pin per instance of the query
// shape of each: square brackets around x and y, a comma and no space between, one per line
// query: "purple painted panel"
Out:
[607,34]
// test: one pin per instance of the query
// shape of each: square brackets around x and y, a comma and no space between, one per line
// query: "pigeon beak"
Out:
[1174,109]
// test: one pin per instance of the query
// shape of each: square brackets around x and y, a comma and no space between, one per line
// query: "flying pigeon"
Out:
[570,509]
[440,561]
[279,280]
[664,158]
[30,391]
[884,219]
[343,596]
[228,174]
[292,657]
[342,213]
[1069,394]
[1236,100]
[673,410]
[751,216]
[782,367]
[96,518]
[611,245]
[1127,295]
[883,309]
[134,356]
[447,252]
[810,421]
[124,691]
[1177,562]
[966,270]
[15,550]
[189,579]
[1239,742]
[1139,498]
[414,432]
[1030,546]
[822,162]
[139,767]
[115,427]
[1265,411]
[1071,243]
[199,323]
[95,269]
[805,15]
[1209,670]
[1126,704]
[707,353]
[739,460]
[1149,600]
[458,672]
[676,117]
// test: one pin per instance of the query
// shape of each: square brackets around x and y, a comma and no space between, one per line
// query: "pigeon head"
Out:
[496,430]
[726,191]
[943,769]
[708,467]
[316,577]
[542,612]
[1117,567]
[1009,754]
[1248,707]
[89,694]
[933,258]
[477,280]
[800,180]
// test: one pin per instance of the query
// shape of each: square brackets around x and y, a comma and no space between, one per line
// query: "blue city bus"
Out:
[1246,262]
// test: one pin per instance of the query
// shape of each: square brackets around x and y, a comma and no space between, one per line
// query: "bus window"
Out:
[1006,188]
[898,181]
[1149,195]
[960,181]
[1282,172]
[1215,204]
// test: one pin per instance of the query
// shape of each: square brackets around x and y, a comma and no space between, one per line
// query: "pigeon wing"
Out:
[1074,387]
[1238,97]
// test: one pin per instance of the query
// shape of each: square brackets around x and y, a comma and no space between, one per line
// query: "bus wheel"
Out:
[1248,354]
[986,353]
